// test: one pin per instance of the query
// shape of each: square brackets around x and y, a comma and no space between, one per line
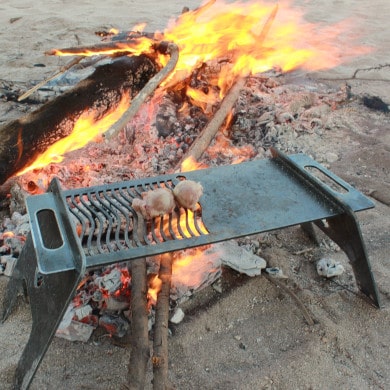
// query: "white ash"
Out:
[110,282]
[9,262]
[329,268]
[238,258]
[76,331]
[177,316]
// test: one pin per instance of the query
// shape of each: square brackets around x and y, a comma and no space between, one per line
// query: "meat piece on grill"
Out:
[187,194]
[155,203]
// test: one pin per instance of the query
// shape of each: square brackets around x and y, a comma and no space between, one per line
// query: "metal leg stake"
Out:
[344,230]
[49,296]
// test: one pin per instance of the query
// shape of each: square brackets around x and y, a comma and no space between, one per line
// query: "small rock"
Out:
[329,268]
[276,272]
[177,316]
[331,157]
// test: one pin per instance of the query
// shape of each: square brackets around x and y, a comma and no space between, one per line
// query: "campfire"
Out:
[202,93]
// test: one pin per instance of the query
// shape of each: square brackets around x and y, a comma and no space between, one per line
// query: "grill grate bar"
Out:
[106,223]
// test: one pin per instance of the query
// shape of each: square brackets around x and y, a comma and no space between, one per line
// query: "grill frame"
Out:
[238,200]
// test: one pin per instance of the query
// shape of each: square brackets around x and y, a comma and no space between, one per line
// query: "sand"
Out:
[251,336]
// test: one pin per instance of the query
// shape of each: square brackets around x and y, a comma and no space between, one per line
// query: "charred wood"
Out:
[23,140]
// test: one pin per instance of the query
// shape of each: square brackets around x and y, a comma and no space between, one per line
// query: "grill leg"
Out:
[344,230]
[49,296]
[17,283]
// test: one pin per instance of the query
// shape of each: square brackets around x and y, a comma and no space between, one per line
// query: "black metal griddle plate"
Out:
[97,225]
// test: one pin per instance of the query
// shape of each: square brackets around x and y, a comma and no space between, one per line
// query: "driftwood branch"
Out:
[160,339]
[140,351]
[121,47]
[146,91]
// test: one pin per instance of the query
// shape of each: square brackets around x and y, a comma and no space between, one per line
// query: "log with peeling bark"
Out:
[140,351]
[160,338]
[23,140]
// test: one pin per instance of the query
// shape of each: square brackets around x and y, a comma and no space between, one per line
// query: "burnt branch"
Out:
[149,88]
[66,67]
[208,133]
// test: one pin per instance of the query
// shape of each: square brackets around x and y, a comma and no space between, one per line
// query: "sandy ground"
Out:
[252,336]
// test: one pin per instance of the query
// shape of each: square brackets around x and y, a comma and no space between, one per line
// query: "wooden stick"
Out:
[160,338]
[208,133]
[145,92]
[107,48]
[44,82]
[140,351]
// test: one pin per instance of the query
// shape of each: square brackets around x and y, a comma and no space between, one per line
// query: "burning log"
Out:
[23,140]
[149,88]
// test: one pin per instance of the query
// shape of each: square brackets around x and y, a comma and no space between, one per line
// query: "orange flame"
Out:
[190,164]
[85,129]
[189,267]
[240,38]
[250,37]
[233,30]
[154,288]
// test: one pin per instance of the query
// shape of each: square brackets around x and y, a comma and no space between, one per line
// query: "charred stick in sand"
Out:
[305,312]
[149,88]
[140,351]
[160,338]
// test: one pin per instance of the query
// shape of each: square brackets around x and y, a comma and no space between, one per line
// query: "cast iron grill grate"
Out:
[105,221]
